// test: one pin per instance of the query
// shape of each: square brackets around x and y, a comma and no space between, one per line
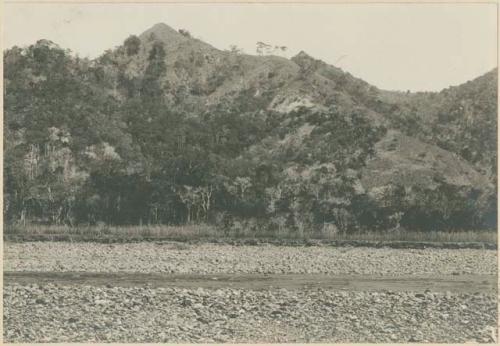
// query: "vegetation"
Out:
[460,119]
[120,141]
[208,232]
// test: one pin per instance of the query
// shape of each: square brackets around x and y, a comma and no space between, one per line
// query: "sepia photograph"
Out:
[259,172]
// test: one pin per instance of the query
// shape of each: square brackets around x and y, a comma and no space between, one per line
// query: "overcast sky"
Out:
[393,46]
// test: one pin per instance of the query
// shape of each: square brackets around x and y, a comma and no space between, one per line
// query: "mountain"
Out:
[168,129]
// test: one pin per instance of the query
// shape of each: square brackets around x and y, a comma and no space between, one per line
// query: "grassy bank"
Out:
[201,231]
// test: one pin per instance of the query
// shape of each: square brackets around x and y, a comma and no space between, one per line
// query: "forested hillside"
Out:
[166,129]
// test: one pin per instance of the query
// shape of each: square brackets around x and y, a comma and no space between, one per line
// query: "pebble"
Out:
[239,315]
[49,313]
[148,257]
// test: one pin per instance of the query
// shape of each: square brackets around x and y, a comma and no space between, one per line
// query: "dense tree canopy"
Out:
[97,141]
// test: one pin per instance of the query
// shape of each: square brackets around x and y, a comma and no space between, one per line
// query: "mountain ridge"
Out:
[279,140]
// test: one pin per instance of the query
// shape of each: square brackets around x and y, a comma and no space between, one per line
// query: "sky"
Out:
[417,47]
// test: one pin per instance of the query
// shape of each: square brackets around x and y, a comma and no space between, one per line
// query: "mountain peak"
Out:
[163,32]
[162,28]
[302,55]
[303,59]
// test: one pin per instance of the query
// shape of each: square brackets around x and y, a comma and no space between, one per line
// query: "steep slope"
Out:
[404,160]
[198,75]
[461,119]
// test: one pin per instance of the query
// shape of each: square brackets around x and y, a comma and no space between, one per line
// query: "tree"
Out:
[132,45]
[263,48]
[235,49]
[151,84]
[205,193]
[185,33]
[266,49]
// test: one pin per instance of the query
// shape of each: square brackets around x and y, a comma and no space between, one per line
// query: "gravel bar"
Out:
[454,283]
[50,313]
[179,258]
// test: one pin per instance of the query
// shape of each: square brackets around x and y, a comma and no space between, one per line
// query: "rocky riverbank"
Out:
[116,314]
[213,258]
